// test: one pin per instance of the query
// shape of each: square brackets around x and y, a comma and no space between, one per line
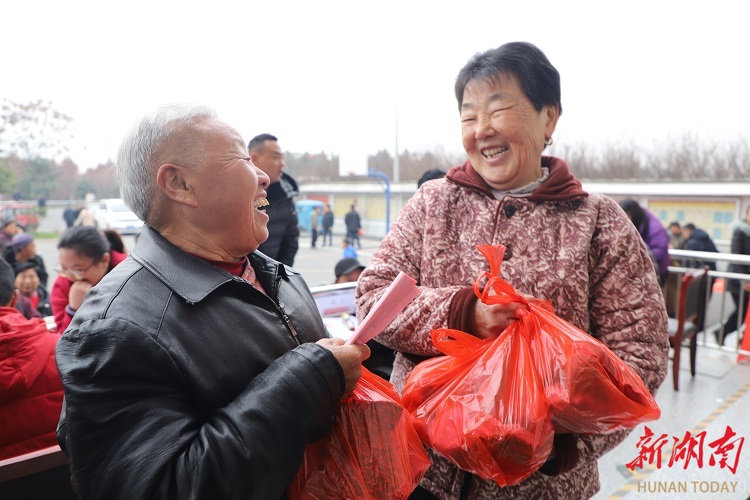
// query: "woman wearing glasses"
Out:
[84,257]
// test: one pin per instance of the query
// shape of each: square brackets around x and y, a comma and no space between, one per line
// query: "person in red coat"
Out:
[84,257]
[31,392]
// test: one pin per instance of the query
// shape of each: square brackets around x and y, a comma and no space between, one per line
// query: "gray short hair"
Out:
[139,153]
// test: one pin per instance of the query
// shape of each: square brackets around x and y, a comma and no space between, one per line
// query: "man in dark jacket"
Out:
[283,231]
[698,240]
[739,290]
[353,225]
[198,367]
[70,215]
[327,225]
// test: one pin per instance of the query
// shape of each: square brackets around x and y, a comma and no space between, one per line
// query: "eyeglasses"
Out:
[76,274]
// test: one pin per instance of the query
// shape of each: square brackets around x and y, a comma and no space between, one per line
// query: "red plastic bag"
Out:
[587,387]
[372,451]
[482,406]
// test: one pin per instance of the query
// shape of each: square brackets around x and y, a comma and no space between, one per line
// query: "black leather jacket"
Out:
[183,381]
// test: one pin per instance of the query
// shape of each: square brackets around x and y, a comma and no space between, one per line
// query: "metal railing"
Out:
[689,260]
[323,294]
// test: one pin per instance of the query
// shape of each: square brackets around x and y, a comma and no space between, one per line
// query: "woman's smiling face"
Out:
[503,134]
[27,281]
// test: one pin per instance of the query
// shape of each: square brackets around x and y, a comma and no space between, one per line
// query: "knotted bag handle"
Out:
[504,291]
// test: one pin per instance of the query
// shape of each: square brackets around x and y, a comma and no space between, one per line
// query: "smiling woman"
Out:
[574,249]
[504,132]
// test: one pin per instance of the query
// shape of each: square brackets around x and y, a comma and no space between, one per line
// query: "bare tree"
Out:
[687,157]
[734,163]
[33,130]
[580,157]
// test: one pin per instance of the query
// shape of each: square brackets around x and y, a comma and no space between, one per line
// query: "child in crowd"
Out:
[350,252]
[29,286]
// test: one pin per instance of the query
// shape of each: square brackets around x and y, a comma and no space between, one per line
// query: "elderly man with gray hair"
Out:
[197,368]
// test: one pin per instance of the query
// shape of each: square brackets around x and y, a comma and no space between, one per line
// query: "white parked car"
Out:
[113,213]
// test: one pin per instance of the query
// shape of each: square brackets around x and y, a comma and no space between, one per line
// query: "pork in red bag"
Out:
[588,388]
[372,452]
[482,406]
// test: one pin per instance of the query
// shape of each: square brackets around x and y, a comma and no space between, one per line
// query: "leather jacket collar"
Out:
[194,279]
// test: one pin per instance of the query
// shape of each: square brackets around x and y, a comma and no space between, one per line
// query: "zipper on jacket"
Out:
[289,324]
[283,312]
[276,303]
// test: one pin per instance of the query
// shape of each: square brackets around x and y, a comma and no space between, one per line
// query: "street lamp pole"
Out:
[382,177]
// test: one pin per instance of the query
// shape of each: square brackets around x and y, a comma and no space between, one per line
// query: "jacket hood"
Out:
[559,186]
[288,178]
[288,184]
[699,234]
[741,226]
[286,187]
[24,352]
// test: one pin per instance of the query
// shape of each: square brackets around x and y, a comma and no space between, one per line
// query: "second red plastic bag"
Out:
[372,453]
[588,388]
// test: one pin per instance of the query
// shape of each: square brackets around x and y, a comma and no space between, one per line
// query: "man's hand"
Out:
[350,357]
[77,292]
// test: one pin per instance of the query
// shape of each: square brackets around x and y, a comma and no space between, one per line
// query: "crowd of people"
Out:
[195,365]
[30,272]
[688,236]
[31,388]
[31,391]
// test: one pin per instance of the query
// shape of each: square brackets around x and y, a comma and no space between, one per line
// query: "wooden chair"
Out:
[690,315]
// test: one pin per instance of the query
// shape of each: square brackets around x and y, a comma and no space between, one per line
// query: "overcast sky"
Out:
[338,75]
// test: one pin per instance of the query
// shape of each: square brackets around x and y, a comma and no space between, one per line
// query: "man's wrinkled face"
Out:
[230,190]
